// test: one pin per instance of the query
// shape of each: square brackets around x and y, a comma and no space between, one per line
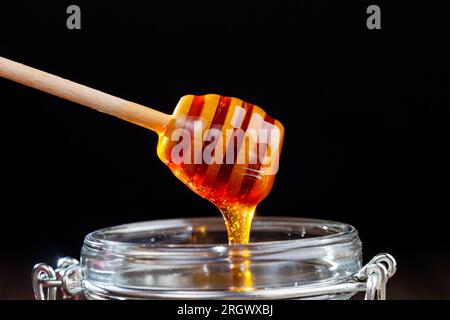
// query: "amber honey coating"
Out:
[234,187]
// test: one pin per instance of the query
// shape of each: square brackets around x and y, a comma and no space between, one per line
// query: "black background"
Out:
[365,113]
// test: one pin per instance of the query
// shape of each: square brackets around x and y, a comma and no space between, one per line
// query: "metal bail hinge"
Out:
[67,277]
[376,274]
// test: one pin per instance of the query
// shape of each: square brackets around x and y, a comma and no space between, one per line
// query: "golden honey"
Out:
[213,145]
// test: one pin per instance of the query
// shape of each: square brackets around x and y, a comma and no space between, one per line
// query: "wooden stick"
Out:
[66,89]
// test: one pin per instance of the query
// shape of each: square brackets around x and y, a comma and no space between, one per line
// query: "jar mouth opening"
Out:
[208,234]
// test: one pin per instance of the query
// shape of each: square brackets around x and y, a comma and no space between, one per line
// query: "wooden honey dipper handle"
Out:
[95,99]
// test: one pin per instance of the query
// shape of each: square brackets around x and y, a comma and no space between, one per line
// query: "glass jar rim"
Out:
[338,233]
[189,258]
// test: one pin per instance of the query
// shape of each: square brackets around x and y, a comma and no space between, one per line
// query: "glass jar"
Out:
[287,258]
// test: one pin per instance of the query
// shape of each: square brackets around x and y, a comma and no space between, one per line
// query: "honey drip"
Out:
[242,277]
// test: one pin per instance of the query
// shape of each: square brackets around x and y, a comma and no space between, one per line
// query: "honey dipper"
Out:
[224,149]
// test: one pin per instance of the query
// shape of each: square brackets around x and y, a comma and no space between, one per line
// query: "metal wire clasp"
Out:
[67,277]
[376,274]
